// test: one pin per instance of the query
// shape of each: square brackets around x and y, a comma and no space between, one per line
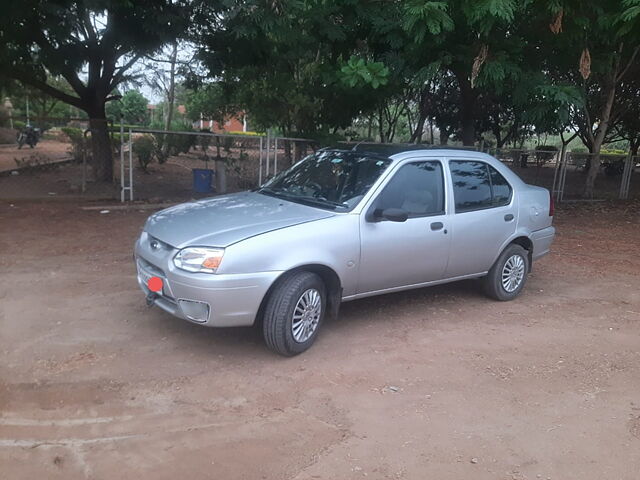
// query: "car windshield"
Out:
[332,180]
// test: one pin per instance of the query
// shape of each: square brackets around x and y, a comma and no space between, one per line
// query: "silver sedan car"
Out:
[341,225]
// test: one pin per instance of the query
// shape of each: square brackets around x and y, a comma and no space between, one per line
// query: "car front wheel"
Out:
[507,277]
[294,312]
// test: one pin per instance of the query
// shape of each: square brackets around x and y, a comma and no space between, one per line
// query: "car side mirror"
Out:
[392,214]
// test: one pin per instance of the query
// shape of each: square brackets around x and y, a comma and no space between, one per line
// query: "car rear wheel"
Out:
[507,277]
[294,312]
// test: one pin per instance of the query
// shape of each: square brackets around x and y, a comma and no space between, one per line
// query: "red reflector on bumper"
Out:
[155,284]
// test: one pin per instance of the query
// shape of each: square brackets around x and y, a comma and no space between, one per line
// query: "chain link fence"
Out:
[565,174]
[158,165]
[161,165]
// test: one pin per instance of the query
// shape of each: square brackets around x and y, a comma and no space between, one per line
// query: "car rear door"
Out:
[397,254]
[485,216]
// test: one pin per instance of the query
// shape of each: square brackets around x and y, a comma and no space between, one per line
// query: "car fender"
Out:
[332,242]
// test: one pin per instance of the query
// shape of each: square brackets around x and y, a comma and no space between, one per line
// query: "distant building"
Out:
[233,123]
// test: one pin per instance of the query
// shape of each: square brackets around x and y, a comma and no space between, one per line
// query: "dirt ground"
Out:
[44,152]
[171,181]
[438,383]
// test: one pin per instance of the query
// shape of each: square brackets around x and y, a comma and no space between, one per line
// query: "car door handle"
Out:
[508,217]
[437,226]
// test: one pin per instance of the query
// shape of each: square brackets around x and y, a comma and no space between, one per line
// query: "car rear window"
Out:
[471,185]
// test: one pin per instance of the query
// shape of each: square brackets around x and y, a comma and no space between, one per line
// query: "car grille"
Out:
[147,270]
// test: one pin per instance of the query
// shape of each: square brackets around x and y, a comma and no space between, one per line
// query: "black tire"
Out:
[493,284]
[278,313]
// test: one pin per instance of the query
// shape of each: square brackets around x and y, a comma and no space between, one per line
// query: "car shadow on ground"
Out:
[248,343]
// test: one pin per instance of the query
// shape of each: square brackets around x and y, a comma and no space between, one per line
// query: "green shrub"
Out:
[19,124]
[144,148]
[115,141]
[79,144]
[177,144]
[246,134]
[613,151]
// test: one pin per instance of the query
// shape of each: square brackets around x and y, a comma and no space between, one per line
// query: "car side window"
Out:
[471,185]
[417,188]
[477,185]
[500,187]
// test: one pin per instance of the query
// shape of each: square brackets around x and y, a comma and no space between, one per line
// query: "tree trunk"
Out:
[467,108]
[299,150]
[171,96]
[416,136]
[598,139]
[102,155]
[381,126]
[287,152]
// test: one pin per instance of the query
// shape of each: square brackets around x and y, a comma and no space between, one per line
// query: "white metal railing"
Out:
[268,147]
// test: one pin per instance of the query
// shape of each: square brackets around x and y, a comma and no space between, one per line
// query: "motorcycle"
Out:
[29,135]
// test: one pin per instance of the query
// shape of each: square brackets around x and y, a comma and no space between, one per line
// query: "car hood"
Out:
[227,219]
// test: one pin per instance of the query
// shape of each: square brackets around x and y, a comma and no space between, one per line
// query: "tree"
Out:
[211,102]
[475,42]
[597,48]
[42,106]
[283,61]
[132,107]
[164,71]
[92,45]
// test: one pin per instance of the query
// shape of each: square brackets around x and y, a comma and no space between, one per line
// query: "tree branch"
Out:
[119,75]
[29,79]
[628,65]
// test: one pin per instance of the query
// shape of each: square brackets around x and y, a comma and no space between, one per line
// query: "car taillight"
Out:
[552,205]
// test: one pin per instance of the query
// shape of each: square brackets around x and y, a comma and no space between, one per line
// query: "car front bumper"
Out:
[226,300]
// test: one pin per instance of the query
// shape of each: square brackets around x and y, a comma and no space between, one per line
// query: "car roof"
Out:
[398,151]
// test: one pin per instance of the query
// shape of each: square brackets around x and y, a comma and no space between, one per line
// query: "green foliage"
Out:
[359,72]
[132,107]
[144,148]
[79,144]
[283,62]
[90,44]
[614,151]
[422,18]
[175,144]
[211,101]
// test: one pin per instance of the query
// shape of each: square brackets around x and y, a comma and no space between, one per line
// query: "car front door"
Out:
[485,216]
[402,253]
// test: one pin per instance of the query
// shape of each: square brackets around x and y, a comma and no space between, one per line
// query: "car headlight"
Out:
[199,259]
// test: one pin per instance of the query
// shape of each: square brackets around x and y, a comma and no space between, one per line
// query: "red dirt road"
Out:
[438,383]
[44,152]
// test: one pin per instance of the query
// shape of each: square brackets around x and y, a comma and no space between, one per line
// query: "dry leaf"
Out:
[585,63]
[556,25]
